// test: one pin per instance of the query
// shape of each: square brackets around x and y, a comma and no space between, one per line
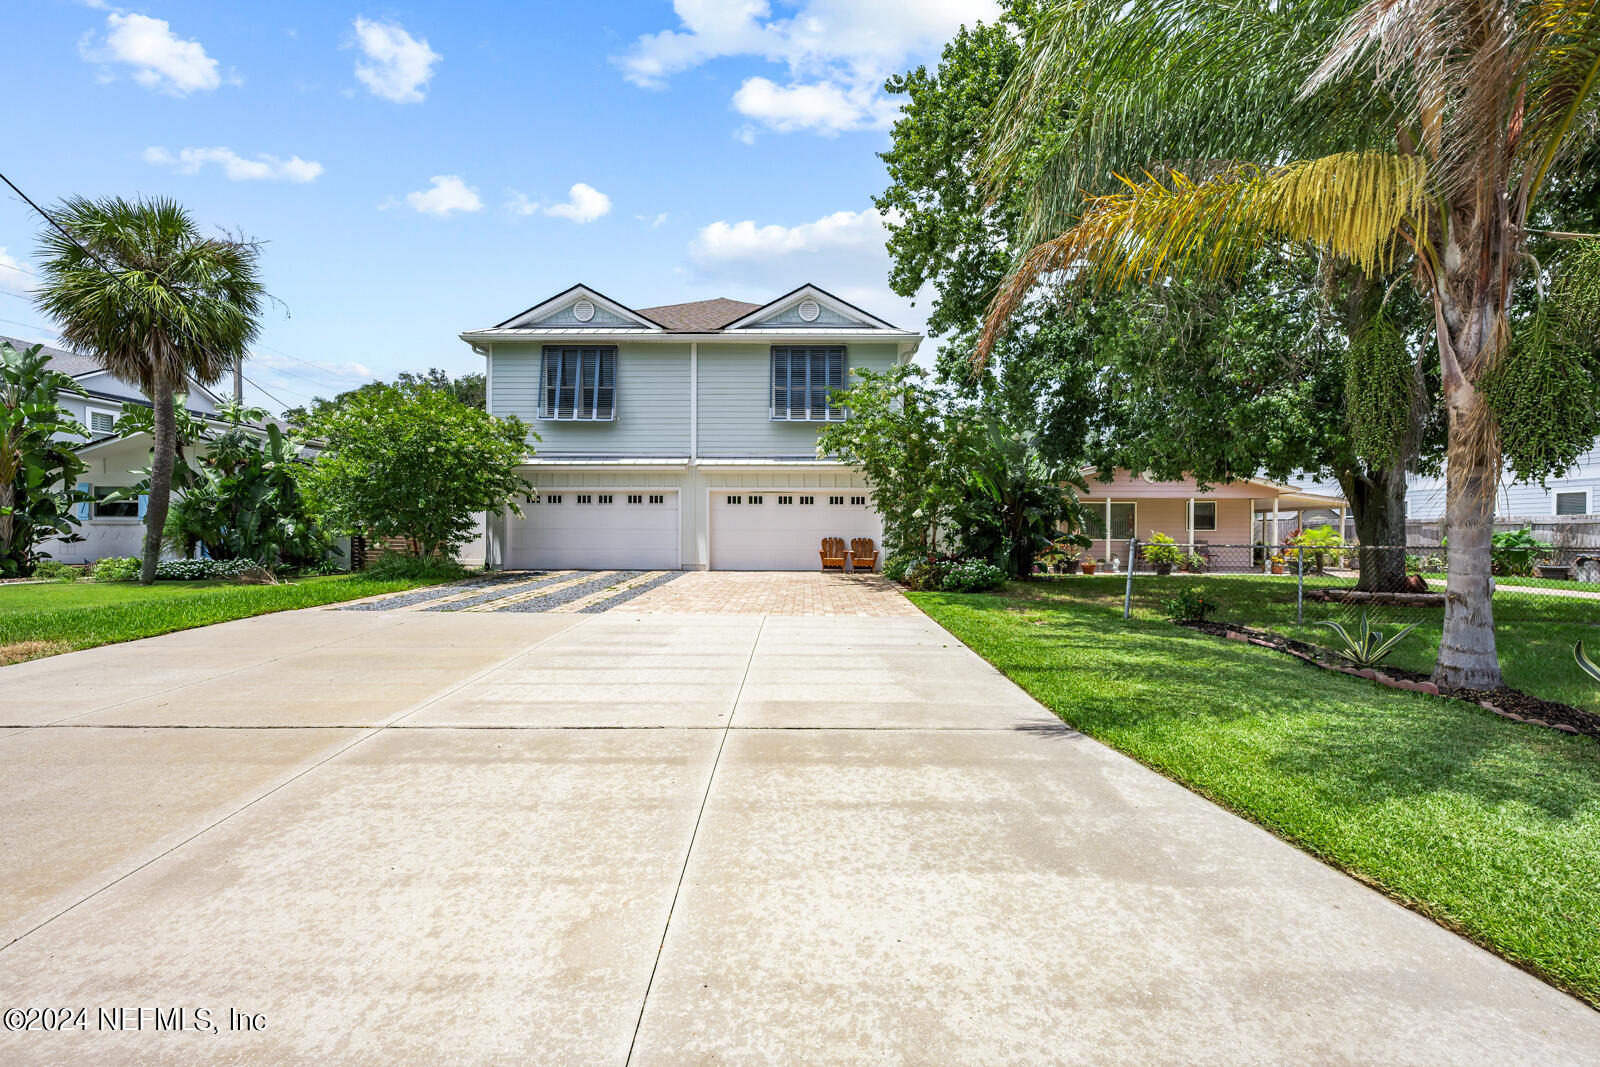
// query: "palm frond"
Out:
[1355,205]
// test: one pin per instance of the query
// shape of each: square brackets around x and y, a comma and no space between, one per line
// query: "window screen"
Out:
[803,379]
[578,383]
[1572,503]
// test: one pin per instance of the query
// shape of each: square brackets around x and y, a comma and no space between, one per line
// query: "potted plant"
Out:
[1088,564]
[1194,562]
[1162,552]
[1277,564]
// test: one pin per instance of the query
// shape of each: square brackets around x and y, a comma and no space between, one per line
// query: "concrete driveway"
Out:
[666,838]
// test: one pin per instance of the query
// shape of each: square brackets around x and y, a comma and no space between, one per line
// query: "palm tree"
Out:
[135,284]
[1445,119]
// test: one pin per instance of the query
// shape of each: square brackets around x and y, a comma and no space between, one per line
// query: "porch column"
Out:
[1108,529]
[1274,523]
[1189,521]
[1341,522]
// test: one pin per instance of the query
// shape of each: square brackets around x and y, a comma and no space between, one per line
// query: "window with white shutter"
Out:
[803,381]
[578,384]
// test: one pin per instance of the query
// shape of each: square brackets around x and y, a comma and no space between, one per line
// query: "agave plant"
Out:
[1589,666]
[1365,648]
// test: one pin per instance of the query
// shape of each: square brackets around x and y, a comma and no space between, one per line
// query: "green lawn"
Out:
[1490,826]
[47,618]
[1534,632]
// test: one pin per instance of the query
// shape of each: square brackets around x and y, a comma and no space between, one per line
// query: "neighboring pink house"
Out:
[1238,513]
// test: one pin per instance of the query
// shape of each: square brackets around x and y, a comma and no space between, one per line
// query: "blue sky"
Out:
[422,169]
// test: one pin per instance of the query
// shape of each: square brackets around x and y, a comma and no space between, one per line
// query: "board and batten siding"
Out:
[652,402]
[736,399]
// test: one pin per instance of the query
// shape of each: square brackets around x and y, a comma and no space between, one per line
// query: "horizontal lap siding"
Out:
[736,402]
[652,402]
[1166,515]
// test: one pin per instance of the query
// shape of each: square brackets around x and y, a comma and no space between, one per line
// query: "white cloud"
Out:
[837,53]
[16,277]
[519,204]
[843,252]
[824,107]
[399,66]
[654,220]
[235,166]
[584,203]
[329,372]
[446,195]
[160,59]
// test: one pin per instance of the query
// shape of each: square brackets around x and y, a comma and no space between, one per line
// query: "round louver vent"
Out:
[583,311]
[809,311]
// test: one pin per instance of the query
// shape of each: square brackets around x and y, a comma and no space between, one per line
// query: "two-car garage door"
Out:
[781,530]
[594,529]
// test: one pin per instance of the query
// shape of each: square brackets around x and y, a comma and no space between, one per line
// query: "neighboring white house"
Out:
[682,436]
[1575,493]
[108,528]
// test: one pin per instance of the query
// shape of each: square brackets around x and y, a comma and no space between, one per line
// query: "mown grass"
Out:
[1534,632]
[1490,826]
[49,618]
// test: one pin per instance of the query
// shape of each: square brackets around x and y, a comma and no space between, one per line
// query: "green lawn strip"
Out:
[60,617]
[1489,826]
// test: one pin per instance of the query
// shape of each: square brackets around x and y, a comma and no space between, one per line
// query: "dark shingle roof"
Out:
[699,315]
[73,363]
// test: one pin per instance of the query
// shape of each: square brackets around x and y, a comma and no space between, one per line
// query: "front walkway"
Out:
[777,593]
[411,836]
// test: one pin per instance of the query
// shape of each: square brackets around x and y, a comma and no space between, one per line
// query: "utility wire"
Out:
[117,276]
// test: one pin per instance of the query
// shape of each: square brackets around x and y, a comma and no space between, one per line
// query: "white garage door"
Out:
[595,529]
[768,530]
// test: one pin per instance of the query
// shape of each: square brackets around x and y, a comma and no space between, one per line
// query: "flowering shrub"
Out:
[196,570]
[972,576]
[1191,605]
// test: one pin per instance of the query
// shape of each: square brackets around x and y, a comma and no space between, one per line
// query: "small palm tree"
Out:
[1419,130]
[135,284]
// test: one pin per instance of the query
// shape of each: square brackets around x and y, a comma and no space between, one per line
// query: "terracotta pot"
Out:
[1277,568]
[1088,566]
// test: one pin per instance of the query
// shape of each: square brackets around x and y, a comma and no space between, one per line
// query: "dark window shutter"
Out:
[780,383]
[606,395]
[835,380]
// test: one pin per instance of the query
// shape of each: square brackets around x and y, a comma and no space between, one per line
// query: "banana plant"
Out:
[1588,666]
[1365,648]
[38,462]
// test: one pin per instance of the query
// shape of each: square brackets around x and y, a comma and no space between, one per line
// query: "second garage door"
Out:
[781,531]
[595,530]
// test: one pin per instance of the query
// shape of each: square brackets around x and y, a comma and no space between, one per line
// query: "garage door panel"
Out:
[774,536]
[570,535]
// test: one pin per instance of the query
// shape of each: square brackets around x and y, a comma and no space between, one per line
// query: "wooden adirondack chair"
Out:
[864,553]
[832,553]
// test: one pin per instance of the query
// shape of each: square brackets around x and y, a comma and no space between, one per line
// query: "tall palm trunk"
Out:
[161,463]
[1469,339]
[1378,504]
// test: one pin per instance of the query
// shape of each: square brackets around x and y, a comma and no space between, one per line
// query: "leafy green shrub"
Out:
[972,576]
[1191,605]
[1366,647]
[198,570]
[55,570]
[395,565]
[116,569]
[895,567]
[1193,562]
[1161,550]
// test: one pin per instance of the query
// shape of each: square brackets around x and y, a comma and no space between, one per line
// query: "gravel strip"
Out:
[622,598]
[434,592]
[533,582]
[571,593]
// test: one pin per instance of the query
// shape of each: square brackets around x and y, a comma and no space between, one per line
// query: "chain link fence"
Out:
[1545,600]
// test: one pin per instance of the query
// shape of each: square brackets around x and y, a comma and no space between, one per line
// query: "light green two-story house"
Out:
[682,436]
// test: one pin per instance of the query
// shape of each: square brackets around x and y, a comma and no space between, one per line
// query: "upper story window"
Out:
[803,379]
[101,422]
[578,383]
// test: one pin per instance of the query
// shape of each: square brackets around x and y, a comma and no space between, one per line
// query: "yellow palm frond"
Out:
[1354,205]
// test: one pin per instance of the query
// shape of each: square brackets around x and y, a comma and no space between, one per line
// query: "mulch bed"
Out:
[1511,703]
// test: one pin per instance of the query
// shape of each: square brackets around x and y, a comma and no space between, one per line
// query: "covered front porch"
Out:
[1239,515]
